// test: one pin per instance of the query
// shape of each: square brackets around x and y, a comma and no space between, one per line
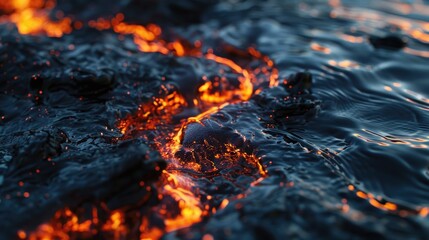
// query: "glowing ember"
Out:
[150,115]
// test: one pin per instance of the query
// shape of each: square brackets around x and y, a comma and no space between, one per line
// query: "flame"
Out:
[32,17]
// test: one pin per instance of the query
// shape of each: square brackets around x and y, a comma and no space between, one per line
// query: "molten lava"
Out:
[171,141]
[196,145]
[32,17]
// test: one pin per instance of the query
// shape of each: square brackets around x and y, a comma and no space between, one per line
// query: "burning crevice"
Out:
[200,148]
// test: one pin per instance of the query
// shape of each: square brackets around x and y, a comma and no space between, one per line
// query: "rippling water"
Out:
[347,159]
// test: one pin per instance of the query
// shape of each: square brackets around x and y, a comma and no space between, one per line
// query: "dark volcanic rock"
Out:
[143,12]
[388,42]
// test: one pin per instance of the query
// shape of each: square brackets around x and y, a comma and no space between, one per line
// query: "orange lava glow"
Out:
[377,202]
[68,225]
[151,115]
[147,38]
[212,96]
[32,17]
[190,209]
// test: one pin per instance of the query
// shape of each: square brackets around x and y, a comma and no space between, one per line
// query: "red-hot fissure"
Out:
[31,17]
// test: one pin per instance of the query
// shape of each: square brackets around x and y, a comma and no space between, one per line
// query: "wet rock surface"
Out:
[334,148]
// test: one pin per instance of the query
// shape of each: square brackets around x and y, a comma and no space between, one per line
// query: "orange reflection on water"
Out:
[370,141]
[415,52]
[350,38]
[388,139]
[417,99]
[319,48]
[375,19]
[347,64]
[379,203]
[387,88]
[420,35]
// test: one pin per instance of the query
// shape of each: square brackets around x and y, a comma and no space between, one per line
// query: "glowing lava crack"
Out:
[197,145]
